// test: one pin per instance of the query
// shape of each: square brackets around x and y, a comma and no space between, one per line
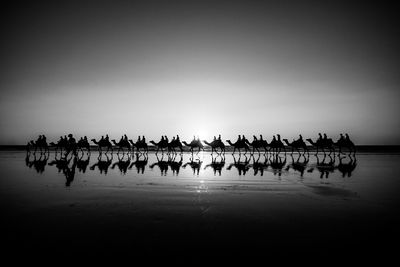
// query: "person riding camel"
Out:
[219,137]
[107,138]
[177,138]
[143,140]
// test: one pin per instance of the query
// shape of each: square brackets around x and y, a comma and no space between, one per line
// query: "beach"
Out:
[160,209]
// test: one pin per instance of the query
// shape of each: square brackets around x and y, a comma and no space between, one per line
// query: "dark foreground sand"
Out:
[175,219]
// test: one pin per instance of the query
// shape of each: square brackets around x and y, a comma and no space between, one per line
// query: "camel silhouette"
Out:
[103,143]
[60,145]
[139,145]
[277,145]
[259,166]
[62,164]
[122,163]
[299,166]
[322,144]
[140,163]
[194,164]
[241,166]
[121,145]
[194,144]
[348,167]
[258,144]
[238,145]
[82,145]
[102,164]
[162,165]
[40,144]
[297,144]
[215,145]
[175,144]
[345,143]
[217,166]
[169,146]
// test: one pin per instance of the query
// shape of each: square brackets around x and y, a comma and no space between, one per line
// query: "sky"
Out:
[199,68]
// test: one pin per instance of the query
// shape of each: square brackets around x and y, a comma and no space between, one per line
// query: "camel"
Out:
[241,166]
[102,165]
[139,145]
[322,144]
[345,143]
[194,144]
[60,145]
[297,144]
[238,145]
[175,144]
[103,143]
[139,163]
[83,144]
[121,145]
[277,145]
[160,145]
[258,144]
[216,144]
[217,166]
[35,145]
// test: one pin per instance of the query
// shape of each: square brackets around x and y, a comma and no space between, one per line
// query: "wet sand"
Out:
[278,213]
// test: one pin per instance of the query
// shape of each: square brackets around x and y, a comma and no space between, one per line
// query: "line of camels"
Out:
[274,163]
[276,145]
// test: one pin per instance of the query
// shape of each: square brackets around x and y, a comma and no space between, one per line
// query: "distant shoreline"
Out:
[390,149]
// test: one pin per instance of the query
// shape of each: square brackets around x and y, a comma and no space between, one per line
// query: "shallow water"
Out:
[153,199]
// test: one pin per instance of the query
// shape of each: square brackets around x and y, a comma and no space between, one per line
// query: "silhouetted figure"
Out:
[277,164]
[82,164]
[259,166]
[215,145]
[196,143]
[103,143]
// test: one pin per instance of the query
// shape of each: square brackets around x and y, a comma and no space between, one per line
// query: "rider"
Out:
[177,138]
[143,140]
[219,137]
[107,138]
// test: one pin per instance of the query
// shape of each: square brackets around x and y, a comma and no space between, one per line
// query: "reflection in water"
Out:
[195,164]
[217,163]
[300,165]
[242,165]
[140,163]
[102,164]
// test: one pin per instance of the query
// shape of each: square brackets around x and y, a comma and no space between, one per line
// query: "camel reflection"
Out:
[122,163]
[175,164]
[82,164]
[162,164]
[324,167]
[102,164]
[346,168]
[259,166]
[300,165]
[217,166]
[195,164]
[140,162]
[241,166]
[38,164]
[277,164]
[63,165]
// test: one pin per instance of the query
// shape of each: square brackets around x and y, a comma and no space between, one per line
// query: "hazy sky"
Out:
[203,68]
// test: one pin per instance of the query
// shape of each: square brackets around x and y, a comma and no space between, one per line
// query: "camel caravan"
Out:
[277,145]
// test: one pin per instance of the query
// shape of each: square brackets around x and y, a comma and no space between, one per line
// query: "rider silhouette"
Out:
[143,139]
[177,138]
[219,137]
